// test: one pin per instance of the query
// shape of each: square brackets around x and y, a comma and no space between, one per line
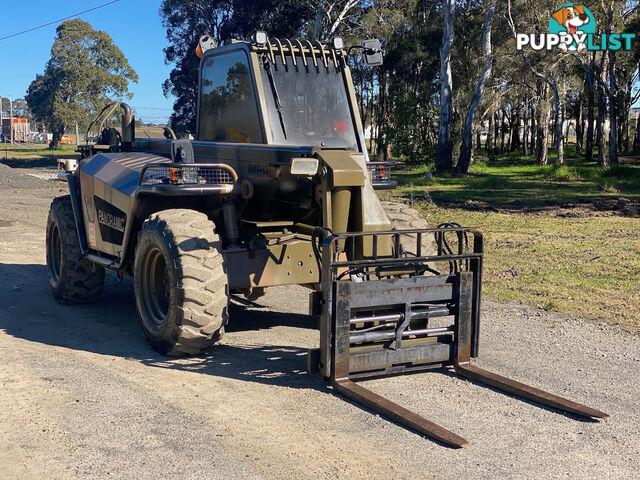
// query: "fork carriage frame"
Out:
[365,326]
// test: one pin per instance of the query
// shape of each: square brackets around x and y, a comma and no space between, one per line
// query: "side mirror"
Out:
[372,51]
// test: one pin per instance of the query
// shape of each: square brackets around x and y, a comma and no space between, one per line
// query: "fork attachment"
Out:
[375,316]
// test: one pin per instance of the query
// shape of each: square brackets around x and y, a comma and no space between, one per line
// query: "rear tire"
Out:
[73,279]
[180,283]
[403,217]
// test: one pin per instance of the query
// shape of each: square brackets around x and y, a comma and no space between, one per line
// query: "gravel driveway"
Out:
[82,395]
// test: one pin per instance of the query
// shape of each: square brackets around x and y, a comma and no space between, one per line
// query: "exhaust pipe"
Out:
[128,127]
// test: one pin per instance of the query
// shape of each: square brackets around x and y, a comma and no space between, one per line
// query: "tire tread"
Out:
[81,281]
[195,250]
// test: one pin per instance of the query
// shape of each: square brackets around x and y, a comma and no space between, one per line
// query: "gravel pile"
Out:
[20,178]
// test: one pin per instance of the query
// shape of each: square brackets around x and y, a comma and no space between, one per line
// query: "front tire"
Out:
[180,283]
[73,278]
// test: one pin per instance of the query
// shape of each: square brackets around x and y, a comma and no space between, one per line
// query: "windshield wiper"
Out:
[274,90]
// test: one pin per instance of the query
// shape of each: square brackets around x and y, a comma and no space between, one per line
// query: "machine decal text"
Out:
[111,220]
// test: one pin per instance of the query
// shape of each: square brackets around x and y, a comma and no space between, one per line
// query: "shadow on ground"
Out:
[110,327]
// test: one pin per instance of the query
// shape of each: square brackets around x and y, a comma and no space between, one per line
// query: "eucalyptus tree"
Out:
[445,149]
[332,16]
[550,69]
[465,150]
[86,70]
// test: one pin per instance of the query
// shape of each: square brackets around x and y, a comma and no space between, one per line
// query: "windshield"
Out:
[314,108]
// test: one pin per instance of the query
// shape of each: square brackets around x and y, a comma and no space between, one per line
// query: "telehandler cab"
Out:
[276,189]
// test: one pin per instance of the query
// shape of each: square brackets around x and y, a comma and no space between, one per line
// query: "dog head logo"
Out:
[572,21]
[571,17]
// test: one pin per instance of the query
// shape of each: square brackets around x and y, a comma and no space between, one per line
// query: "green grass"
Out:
[509,184]
[539,248]
[35,156]
[588,267]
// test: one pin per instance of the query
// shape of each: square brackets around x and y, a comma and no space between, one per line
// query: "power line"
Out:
[60,20]
[151,108]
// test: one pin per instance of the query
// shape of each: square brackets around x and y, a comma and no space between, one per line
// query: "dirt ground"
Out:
[82,395]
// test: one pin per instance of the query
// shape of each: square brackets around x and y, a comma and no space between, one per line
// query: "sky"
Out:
[134,26]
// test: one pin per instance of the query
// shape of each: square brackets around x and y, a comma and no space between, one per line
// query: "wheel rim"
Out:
[54,253]
[155,288]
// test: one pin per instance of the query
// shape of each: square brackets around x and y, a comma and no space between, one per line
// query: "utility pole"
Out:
[11,121]
[1,122]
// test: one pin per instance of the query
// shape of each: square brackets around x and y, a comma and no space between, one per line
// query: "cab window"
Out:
[228,108]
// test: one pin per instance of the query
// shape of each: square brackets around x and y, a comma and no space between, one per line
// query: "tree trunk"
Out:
[602,110]
[590,84]
[565,126]
[628,141]
[489,142]
[613,111]
[383,146]
[465,150]
[579,126]
[57,134]
[514,130]
[553,130]
[532,116]
[625,127]
[559,121]
[496,131]
[444,161]
[503,130]
[542,150]
[636,140]
[318,25]
[543,113]
[525,128]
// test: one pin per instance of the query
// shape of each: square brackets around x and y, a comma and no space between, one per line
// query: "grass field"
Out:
[564,239]
[40,155]
[516,184]
[35,155]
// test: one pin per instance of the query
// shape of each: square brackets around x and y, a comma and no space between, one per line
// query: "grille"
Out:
[379,171]
[187,175]
[215,175]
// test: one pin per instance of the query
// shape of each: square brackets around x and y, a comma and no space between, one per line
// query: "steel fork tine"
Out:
[525,391]
[463,366]
[397,413]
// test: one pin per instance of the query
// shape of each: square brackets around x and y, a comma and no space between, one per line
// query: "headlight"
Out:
[260,38]
[304,166]
[191,175]
[338,43]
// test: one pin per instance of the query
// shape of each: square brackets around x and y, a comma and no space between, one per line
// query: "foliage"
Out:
[85,70]
[20,107]
[522,107]
[186,21]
